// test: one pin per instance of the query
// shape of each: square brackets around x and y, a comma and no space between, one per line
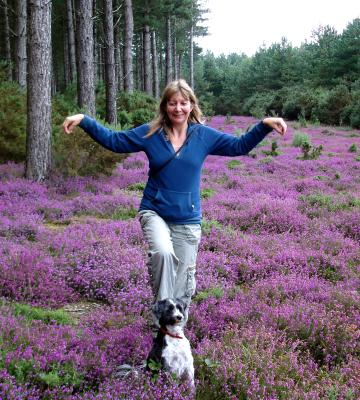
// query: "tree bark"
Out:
[7,42]
[38,132]
[71,39]
[67,72]
[175,62]
[156,87]
[168,58]
[117,45]
[147,61]
[110,80]
[85,52]
[191,66]
[128,58]
[21,60]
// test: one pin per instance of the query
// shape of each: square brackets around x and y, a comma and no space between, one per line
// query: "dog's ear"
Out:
[181,303]
[158,308]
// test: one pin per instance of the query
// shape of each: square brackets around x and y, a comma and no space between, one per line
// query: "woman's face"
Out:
[178,109]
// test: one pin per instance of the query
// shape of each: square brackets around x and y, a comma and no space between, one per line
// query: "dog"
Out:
[171,349]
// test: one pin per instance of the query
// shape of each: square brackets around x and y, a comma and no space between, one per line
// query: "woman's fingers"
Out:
[72,121]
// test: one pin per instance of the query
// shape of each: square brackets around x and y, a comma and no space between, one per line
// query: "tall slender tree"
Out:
[38,135]
[7,41]
[147,60]
[128,58]
[21,57]
[155,68]
[71,39]
[118,48]
[85,56]
[110,81]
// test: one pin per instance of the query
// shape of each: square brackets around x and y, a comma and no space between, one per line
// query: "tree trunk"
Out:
[128,58]
[179,64]
[85,52]
[191,66]
[168,58]
[110,80]
[38,133]
[67,68]
[71,39]
[175,63]
[117,45]
[156,87]
[147,61]
[7,42]
[21,61]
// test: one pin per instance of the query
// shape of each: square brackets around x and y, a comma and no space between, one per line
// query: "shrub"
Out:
[300,138]
[331,105]
[353,148]
[12,122]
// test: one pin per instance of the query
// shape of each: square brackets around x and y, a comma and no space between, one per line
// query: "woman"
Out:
[176,144]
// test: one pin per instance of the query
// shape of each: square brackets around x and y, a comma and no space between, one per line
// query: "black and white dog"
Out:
[171,349]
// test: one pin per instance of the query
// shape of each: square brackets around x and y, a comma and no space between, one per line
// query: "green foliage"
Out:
[208,225]
[216,292]
[124,213]
[353,148]
[140,186]
[77,154]
[311,152]
[233,164]
[60,375]
[12,122]
[332,104]
[300,139]
[329,203]
[47,316]
[207,193]
[273,151]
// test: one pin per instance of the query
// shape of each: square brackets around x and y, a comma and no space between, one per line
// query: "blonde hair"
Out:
[162,120]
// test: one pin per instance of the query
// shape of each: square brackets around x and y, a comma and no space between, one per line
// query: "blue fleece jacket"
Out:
[174,193]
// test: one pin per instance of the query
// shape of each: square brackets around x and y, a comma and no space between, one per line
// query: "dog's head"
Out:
[169,311]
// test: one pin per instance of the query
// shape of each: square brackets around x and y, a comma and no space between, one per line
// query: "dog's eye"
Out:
[171,307]
[178,306]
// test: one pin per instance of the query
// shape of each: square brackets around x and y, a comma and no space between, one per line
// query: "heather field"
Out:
[277,309]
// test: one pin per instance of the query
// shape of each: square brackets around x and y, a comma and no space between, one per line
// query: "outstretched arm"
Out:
[128,141]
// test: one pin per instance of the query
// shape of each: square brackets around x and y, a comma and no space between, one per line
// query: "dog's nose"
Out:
[179,317]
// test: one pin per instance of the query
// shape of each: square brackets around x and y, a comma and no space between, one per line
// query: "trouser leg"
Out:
[185,239]
[162,262]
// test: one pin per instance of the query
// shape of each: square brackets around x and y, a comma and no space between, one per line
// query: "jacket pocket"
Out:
[173,205]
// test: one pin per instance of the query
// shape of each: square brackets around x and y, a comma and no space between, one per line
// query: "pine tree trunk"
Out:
[191,66]
[128,59]
[110,80]
[85,52]
[7,42]
[71,39]
[175,63]
[21,60]
[168,58]
[179,65]
[156,87]
[38,134]
[67,72]
[147,61]
[117,45]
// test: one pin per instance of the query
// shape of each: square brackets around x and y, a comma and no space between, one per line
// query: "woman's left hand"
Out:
[278,124]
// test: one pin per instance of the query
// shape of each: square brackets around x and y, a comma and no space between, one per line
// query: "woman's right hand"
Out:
[72,121]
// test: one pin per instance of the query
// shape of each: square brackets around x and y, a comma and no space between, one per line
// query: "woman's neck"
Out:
[178,131]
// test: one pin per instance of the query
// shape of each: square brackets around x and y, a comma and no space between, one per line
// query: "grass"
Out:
[41,314]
